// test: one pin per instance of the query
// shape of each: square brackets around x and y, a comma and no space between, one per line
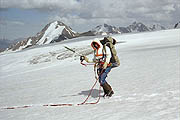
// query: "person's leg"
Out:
[102,77]
[106,87]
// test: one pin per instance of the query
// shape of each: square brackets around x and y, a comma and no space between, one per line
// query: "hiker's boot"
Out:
[107,90]
[110,93]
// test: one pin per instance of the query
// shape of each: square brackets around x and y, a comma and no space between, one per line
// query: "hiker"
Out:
[106,57]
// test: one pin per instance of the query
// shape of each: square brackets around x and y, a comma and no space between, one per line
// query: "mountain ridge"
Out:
[57,31]
[106,29]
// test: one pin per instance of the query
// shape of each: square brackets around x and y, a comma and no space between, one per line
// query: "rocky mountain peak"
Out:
[53,32]
[137,27]
[105,29]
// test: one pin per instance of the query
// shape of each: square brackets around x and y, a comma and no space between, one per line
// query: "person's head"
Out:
[95,44]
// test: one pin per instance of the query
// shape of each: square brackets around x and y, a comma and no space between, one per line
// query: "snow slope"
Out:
[146,84]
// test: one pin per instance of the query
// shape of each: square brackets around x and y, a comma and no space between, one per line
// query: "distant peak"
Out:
[105,25]
[58,23]
[134,22]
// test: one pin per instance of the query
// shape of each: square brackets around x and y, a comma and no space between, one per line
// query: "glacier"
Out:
[146,84]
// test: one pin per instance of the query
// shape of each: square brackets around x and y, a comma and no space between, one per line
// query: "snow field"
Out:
[146,84]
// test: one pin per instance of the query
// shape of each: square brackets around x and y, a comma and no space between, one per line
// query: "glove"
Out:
[82,58]
[105,65]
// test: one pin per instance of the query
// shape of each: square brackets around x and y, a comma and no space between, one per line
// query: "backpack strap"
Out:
[114,57]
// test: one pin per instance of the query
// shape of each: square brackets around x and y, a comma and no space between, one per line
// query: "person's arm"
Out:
[86,59]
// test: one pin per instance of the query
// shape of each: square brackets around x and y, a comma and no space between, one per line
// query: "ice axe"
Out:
[70,49]
[81,56]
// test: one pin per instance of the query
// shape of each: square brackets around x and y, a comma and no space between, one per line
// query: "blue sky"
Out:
[24,18]
[18,23]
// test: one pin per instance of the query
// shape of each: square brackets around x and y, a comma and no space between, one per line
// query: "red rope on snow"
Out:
[83,103]
[97,99]
[88,94]
[87,64]
[95,66]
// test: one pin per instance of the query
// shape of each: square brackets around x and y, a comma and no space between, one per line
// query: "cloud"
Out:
[93,12]
[17,23]
[11,22]
[39,4]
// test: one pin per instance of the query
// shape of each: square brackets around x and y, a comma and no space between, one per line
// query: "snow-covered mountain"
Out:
[57,31]
[140,27]
[137,27]
[156,27]
[53,32]
[5,43]
[106,29]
